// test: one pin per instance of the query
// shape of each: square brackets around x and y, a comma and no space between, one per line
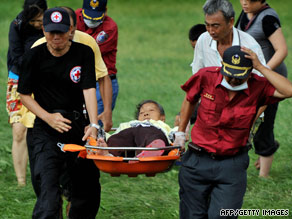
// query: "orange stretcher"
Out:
[132,167]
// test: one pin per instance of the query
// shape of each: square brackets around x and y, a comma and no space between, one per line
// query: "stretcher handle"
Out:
[71,147]
[75,147]
[133,148]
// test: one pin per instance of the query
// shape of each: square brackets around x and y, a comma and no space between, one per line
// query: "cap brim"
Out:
[234,73]
[93,15]
[56,27]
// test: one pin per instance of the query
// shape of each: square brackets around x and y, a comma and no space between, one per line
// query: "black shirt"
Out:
[21,38]
[58,82]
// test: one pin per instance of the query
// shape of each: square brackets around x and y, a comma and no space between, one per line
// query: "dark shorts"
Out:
[264,139]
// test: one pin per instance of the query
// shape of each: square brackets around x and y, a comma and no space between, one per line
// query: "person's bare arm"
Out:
[105,89]
[91,106]
[186,111]
[279,44]
[283,85]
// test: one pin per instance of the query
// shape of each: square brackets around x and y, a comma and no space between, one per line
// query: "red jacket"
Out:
[106,36]
[223,125]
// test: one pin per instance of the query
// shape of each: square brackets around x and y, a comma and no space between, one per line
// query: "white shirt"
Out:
[206,53]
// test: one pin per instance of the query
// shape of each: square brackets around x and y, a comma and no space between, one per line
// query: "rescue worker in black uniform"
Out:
[61,75]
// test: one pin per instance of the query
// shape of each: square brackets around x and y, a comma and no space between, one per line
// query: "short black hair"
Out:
[138,107]
[42,4]
[196,31]
[71,13]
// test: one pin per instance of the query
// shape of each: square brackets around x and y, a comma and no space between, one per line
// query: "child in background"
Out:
[195,32]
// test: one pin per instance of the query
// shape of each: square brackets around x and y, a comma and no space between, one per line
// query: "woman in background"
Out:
[24,30]
[262,22]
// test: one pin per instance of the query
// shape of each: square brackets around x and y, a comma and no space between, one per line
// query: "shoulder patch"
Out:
[101,37]
[75,74]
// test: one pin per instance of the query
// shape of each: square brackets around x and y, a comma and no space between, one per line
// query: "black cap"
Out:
[56,19]
[235,65]
[94,9]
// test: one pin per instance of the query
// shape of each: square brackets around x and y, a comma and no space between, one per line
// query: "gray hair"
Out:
[212,6]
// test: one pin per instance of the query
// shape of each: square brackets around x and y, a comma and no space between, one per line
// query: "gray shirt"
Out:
[256,30]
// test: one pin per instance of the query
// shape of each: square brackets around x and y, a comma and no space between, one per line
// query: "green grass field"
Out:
[153,61]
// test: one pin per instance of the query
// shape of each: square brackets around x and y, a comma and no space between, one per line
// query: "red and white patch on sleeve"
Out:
[101,37]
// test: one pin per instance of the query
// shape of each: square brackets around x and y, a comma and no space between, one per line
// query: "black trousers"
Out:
[49,165]
[64,179]
[31,157]
[208,185]
[264,140]
[135,137]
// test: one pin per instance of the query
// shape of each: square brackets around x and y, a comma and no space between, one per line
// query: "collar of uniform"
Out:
[251,79]
[235,40]
[246,91]
[219,78]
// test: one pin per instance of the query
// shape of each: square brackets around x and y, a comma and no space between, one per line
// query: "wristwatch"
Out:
[95,126]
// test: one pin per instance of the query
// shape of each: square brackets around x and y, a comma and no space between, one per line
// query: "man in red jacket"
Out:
[92,19]
[212,175]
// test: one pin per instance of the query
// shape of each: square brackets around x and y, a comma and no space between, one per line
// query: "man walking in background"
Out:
[92,19]
[220,35]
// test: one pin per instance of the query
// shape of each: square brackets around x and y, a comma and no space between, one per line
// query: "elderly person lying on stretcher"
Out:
[148,130]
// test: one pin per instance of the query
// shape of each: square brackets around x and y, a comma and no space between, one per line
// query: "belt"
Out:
[73,115]
[113,76]
[201,151]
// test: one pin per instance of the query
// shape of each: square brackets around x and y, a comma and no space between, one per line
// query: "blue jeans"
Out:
[115,87]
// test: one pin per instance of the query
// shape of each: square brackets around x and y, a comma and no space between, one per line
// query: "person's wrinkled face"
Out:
[250,6]
[217,26]
[57,40]
[235,81]
[37,21]
[150,111]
